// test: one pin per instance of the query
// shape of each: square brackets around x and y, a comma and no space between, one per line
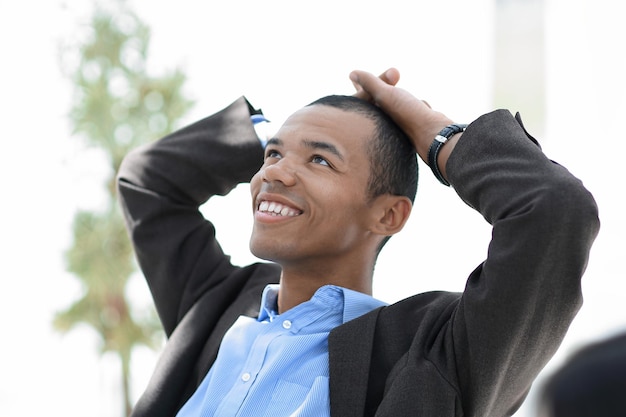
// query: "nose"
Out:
[281,171]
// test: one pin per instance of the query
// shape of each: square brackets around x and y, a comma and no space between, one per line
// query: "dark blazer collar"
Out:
[350,351]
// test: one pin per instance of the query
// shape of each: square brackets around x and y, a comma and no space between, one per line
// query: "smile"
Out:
[277,209]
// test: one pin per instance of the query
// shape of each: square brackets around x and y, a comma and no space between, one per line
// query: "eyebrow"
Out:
[274,141]
[329,147]
[312,144]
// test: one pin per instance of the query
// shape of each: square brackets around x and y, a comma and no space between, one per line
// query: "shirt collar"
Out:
[355,303]
[269,303]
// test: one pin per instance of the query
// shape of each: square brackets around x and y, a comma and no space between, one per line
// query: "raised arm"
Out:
[162,185]
[519,303]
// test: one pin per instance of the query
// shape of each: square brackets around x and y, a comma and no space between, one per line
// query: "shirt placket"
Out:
[236,397]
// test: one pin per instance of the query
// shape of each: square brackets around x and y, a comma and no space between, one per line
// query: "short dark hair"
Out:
[393,161]
[392,157]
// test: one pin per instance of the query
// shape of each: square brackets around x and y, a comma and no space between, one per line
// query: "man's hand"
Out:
[413,115]
[391,77]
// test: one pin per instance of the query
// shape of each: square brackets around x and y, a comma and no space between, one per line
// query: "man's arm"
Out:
[518,304]
[162,185]
[517,307]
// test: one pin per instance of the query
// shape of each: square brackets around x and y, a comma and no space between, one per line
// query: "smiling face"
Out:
[310,196]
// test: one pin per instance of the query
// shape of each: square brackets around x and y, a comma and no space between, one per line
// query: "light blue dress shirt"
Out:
[277,365]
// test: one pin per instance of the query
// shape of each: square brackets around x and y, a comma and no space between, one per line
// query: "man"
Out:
[317,343]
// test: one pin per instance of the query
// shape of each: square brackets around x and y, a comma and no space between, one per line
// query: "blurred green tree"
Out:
[116,106]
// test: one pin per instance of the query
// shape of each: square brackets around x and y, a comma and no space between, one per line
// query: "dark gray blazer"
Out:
[435,354]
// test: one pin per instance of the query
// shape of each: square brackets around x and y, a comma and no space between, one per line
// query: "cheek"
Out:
[255,186]
[255,182]
[343,210]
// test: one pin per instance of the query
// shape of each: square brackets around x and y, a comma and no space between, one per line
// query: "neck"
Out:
[298,284]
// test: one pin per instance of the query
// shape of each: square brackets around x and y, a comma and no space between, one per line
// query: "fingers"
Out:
[391,76]
[366,83]
[414,116]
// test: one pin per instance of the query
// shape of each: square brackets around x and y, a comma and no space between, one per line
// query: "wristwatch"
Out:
[433,152]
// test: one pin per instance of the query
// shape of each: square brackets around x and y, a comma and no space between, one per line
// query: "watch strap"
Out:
[433,152]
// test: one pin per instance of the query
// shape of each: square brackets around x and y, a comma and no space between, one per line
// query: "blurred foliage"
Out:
[117,105]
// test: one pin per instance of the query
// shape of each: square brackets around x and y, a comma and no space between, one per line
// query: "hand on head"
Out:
[390,77]
[413,115]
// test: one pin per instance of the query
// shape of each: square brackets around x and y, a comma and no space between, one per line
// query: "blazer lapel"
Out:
[350,353]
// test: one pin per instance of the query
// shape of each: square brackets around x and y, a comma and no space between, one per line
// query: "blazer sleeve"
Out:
[517,306]
[161,187]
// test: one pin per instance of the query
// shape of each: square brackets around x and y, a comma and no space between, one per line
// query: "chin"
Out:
[261,251]
[269,250]
[263,255]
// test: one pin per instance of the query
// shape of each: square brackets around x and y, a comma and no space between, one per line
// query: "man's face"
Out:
[310,196]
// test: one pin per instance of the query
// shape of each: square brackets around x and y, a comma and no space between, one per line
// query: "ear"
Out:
[390,213]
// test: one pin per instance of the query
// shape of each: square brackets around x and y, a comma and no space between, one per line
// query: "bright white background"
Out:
[283,54]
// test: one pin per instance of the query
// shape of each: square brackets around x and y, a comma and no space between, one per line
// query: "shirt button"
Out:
[245,377]
[287,324]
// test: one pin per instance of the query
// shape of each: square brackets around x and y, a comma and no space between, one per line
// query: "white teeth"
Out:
[277,209]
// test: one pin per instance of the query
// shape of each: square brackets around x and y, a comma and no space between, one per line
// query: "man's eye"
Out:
[319,160]
[272,154]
